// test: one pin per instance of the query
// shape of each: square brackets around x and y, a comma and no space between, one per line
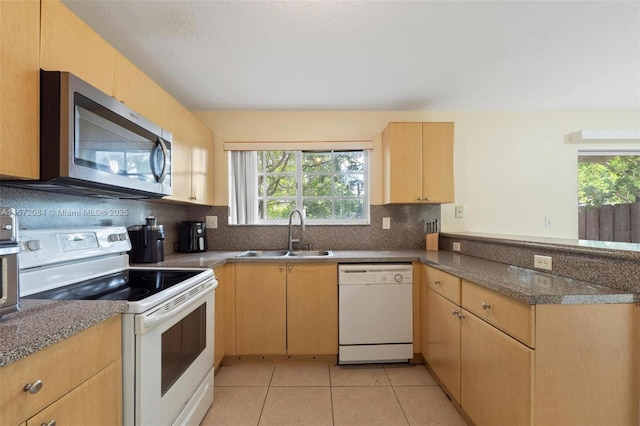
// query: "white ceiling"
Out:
[381,55]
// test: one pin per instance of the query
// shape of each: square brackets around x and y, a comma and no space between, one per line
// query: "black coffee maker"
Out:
[147,242]
[192,237]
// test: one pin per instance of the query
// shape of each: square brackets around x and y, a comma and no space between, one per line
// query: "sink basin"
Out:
[285,253]
[310,253]
[260,253]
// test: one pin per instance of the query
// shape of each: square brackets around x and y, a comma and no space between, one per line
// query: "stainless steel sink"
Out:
[285,253]
[261,253]
[310,253]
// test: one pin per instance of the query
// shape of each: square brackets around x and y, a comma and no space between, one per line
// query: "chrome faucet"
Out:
[291,239]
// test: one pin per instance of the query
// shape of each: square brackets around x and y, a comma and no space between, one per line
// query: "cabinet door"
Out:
[312,309]
[192,157]
[98,401]
[220,313]
[136,90]
[20,89]
[496,375]
[260,309]
[402,163]
[437,162]
[69,44]
[201,164]
[180,170]
[441,339]
[61,367]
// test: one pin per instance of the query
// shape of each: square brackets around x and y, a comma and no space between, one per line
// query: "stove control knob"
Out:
[34,245]
[113,238]
[123,236]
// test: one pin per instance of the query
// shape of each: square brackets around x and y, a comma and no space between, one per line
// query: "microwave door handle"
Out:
[163,173]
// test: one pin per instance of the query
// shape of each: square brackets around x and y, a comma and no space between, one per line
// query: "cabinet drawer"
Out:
[61,367]
[446,285]
[515,318]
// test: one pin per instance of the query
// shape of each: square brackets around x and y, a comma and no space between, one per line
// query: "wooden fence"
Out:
[619,222]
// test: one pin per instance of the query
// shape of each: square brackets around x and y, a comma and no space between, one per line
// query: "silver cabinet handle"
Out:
[34,387]
[419,198]
[282,267]
[458,314]
[49,423]
[290,268]
[485,305]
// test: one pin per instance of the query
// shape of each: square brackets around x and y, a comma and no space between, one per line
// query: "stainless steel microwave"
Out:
[91,144]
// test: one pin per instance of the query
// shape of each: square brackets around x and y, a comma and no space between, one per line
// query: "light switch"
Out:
[212,222]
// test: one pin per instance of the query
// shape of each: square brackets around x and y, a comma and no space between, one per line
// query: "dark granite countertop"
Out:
[525,285]
[41,323]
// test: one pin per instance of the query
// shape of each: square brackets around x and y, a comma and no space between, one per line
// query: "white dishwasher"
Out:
[375,320]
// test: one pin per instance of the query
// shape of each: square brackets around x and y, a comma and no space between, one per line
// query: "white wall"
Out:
[511,168]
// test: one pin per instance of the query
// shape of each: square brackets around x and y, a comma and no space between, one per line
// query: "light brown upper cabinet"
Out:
[19,89]
[418,163]
[191,157]
[139,92]
[69,44]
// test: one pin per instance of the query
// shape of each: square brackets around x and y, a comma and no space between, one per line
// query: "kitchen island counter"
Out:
[41,323]
[522,284]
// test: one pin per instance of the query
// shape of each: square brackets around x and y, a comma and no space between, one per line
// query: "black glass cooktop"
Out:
[131,285]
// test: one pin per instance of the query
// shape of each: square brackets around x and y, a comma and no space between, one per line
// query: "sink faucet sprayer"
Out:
[291,239]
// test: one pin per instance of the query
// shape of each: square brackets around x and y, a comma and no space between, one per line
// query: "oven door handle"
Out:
[145,323]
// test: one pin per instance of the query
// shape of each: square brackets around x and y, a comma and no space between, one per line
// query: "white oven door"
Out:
[174,355]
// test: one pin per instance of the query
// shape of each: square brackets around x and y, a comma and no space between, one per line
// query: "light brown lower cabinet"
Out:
[508,363]
[441,339]
[260,309]
[312,309]
[81,381]
[285,309]
[224,275]
[496,380]
[98,401]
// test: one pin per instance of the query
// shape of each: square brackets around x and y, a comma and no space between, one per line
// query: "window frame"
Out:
[299,198]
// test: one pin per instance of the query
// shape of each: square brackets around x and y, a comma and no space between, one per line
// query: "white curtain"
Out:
[243,190]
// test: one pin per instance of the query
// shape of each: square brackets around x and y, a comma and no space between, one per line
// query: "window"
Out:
[609,196]
[329,187]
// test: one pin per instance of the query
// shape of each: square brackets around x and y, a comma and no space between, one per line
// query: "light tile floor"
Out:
[386,394]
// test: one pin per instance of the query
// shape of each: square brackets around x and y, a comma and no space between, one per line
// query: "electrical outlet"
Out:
[212,222]
[459,212]
[456,246]
[542,262]
[386,223]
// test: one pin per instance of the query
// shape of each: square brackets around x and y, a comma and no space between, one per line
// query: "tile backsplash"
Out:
[41,209]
